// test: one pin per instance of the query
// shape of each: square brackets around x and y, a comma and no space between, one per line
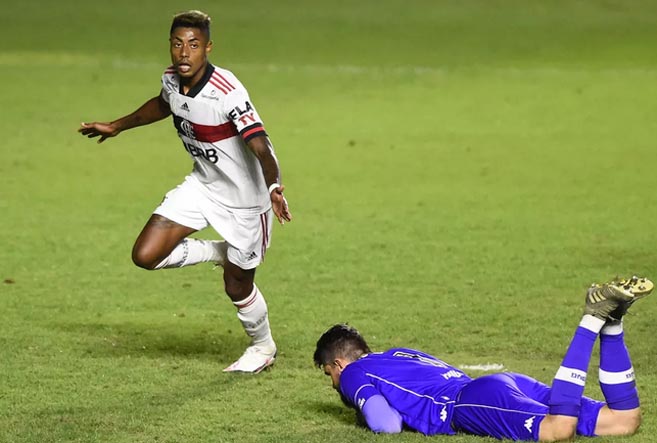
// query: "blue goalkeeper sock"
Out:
[568,384]
[616,372]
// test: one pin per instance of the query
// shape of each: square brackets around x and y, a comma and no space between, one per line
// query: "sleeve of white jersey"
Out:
[164,94]
[239,109]
[167,83]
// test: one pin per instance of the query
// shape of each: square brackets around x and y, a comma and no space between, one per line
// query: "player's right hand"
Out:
[279,205]
[96,129]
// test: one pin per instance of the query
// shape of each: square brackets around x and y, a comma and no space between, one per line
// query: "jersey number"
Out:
[196,151]
[423,359]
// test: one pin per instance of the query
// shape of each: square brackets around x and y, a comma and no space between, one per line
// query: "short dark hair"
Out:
[340,341]
[192,19]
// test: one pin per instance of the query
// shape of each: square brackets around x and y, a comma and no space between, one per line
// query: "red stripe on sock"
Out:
[248,301]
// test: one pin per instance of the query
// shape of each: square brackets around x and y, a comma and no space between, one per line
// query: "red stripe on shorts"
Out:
[265,234]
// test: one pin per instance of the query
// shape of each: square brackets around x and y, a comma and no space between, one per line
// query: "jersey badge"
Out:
[188,129]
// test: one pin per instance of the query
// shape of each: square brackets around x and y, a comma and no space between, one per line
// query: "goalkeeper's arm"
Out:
[380,416]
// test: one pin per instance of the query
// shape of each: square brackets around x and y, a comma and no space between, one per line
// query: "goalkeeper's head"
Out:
[336,348]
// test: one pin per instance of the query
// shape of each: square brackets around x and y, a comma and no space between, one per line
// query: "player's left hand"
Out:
[279,205]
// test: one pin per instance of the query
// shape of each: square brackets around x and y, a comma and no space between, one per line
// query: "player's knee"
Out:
[557,428]
[237,289]
[144,259]
[566,434]
[619,422]
[238,282]
[558,434]
[631,423]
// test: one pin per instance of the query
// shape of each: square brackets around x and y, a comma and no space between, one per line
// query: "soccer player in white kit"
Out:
[234,187]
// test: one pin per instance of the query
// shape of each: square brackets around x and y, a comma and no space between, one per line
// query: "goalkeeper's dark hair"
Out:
[192,19]
[340,341]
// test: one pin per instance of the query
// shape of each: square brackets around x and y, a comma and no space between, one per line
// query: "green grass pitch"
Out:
[458,173]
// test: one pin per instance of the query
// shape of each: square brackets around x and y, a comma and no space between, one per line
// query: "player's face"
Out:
[189,52]
[333,371]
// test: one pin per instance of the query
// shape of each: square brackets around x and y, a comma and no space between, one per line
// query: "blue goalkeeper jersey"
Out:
[420,387]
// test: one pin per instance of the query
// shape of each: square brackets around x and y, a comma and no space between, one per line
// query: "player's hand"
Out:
[279,205]
[95,129]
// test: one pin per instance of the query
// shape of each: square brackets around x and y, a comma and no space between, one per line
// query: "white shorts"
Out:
[248,236]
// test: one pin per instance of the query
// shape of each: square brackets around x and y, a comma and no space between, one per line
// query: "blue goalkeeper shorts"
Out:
[512,406]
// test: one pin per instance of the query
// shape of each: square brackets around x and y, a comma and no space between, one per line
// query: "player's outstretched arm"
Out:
[153,110]
[262,148]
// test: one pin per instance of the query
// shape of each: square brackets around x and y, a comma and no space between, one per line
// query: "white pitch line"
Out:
[72,59]
[516,71]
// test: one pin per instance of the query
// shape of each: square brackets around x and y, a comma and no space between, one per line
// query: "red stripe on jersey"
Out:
[221,79]
[212,134]
[253,131]
[219,87]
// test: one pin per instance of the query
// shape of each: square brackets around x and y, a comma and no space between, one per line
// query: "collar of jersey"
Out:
[209,69]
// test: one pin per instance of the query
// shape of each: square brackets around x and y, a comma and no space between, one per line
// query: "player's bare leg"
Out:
[163,243]
[252,313]
[238,282]
[557,428]
[612,422]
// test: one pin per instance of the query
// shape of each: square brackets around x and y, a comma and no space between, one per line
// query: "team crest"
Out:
[187,129]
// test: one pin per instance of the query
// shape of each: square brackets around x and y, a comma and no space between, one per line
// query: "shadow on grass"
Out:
[155,340]
[338,412]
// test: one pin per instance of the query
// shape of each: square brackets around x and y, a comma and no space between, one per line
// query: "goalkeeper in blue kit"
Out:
[408,389]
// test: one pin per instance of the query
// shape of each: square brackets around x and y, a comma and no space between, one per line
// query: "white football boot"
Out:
[255,359]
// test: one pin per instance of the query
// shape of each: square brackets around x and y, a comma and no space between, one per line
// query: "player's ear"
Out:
[208,47]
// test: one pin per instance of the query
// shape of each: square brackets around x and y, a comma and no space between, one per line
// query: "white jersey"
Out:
[214,120]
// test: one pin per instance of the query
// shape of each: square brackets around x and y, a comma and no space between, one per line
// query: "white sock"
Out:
[252,312]
[612,328]
[191,251]
[591,323]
